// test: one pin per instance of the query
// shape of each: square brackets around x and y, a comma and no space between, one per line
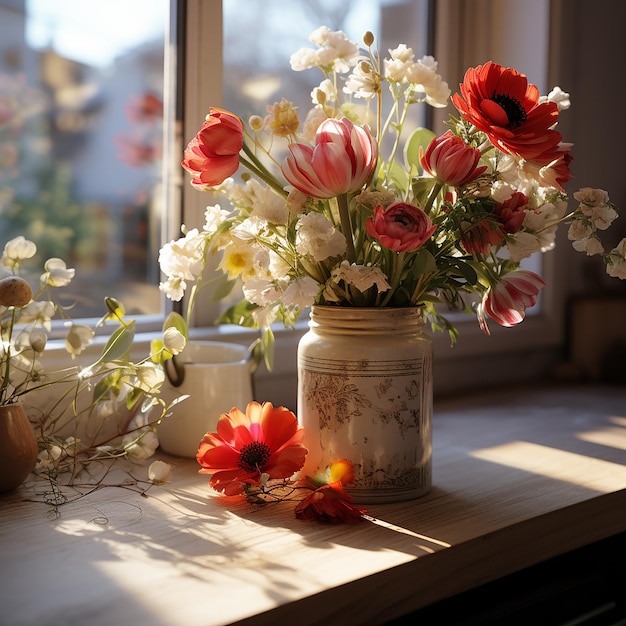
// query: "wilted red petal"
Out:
[330,503]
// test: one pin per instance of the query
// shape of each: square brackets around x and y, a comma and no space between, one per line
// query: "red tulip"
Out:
[402,227]
[342,160]
[213,154]
[478,237]
[506,301]
[451,161]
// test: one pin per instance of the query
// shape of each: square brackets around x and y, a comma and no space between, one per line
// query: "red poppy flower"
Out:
[502,103]
[263,440]
[330,503]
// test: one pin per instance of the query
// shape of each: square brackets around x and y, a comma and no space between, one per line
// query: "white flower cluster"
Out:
[336,54]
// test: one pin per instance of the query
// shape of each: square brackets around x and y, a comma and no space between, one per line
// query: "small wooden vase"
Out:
[18,447]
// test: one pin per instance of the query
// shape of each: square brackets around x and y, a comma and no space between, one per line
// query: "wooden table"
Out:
[519,477]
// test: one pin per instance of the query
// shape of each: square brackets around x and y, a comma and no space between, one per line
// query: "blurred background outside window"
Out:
[81,119]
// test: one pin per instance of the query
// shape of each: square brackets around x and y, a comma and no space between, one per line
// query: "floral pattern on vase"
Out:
[375,411]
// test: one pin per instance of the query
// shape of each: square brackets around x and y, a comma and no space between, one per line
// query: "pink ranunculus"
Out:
[506,301]
[401,227]
[213,154]
[451,161]
[342,160]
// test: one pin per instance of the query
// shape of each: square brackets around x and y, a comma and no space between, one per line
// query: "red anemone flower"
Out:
[502,103]
[263,440]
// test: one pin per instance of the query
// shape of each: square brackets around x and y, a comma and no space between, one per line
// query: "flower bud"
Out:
[255,122]
[368,38]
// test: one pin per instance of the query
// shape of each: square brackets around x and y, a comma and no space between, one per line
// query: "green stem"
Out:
[255,166]
[7,369]
[398,265]
[434,192]
[346,226]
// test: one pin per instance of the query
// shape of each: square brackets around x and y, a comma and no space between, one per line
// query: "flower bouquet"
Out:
[346,206]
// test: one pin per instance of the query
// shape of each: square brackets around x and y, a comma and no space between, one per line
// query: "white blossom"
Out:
[173,340]
[591,196]
[260,291]
[78,338]
[182,258]
[591,245]
[140,446]
[318,238]
[361,276]
[301,293]
[602,216]
[397,67]
[16,250]
[159,472]
[57,274]
[363,82]
[214,217]
[616,263]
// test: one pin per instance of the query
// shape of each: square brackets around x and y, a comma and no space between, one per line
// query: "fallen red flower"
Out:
[330,503]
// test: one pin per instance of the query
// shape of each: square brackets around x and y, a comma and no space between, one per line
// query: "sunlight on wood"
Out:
[613,437]
[618,421]
[406,531]
[602,476]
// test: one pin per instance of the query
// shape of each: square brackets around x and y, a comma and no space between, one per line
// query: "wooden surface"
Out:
[519,477]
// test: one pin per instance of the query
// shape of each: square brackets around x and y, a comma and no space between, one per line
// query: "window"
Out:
[81,137]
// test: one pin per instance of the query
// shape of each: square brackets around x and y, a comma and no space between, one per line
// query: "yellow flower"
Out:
[238,260]
[283,119]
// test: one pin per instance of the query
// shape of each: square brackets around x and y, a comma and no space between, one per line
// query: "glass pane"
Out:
[81,118]
[257,67]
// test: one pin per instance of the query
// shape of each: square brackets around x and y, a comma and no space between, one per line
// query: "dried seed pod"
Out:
[15,291]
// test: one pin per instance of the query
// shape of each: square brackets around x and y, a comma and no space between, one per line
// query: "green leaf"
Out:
[176,320]
[240,314]
[222,286]
[119,344]
[268,349]
[105,384]
[424,263]
[420,137]
[398,175]
[467,271]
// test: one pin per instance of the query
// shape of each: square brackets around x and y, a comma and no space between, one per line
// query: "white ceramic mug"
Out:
[217,377]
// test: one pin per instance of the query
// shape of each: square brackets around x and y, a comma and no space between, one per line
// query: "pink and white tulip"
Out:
[507,300]
[342,160]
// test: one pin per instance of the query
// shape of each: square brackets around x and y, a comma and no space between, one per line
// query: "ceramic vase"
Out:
[18,446]
[365,394]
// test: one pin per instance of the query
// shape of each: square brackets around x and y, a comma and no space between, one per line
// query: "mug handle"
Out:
[176,377]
